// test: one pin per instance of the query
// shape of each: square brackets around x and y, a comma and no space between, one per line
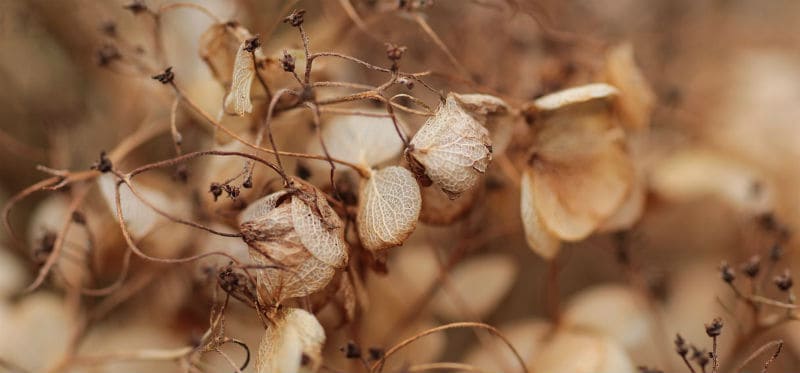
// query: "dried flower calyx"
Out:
[784,281]
[715,328]
[388,208]
[452,149]
[297,230]
[727,273]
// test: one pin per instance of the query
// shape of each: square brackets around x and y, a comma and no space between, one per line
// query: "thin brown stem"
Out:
[776,343]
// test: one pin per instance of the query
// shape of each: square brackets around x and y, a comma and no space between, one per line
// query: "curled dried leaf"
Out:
[244,70]
[452,148]
[388,208]
[292,344]
[299,232]
[636,99]
[575,95]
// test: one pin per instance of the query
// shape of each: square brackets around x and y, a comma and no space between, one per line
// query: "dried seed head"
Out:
[287,62]
[293,341]
[351,350]
[680,346]
[784,281]
[216,190]
[250,45]
[727,273]
[165,77]
[298,231]
[244,70]
[103,165]
[295,18]
[452,148]
[394,52]
[715,328]
[388,208]
[776,252]
[752,266]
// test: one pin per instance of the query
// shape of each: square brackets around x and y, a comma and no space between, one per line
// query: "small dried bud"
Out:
[394,52]
[104,164]
[726,272]
[107,54]
[136,6]
[715,328]
[701,357]
[78,217]
[406,82]
[181,173]
[232,191]
[784,281]
[351,350]
[248,182]
[252,44]
[287,62]
[295,18]
[375,353]
[215,190]
[680,346]
[166,77]
[109,28]
[776,252]
[752,266]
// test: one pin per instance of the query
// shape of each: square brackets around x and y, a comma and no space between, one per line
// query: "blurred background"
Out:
[718,167]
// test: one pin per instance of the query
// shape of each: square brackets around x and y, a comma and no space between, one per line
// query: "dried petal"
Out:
[244,70]
[539,239]
[368,141]
[292,344]
[636,100]
[320,229]
[453,148]
[477,287]
[573,352]
[576,95]
[611,310]
[218,49]
[388,208]
[439,209]
[494,114]
[527,336]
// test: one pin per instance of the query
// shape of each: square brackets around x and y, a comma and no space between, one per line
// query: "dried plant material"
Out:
[139,218]
[218,45]
[539,239]
[580,172]
[368,141]
[636,99]
[611,310]
[698,173]
[528,336]
[36,331]
[292,344]
[439,209]
[494,114]
[575,352]
[388,208]
[13,276]
[574,96]
[476,287]
[452,148]
[244,70]
[301,234]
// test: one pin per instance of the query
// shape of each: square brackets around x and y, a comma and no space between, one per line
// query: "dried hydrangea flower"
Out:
[494,114]
[636,100]
[388,208]
[292,344]
[452,149]
[580,172]
[299,231]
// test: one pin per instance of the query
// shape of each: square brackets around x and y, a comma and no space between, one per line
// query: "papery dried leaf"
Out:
[439,209]
[494,114]
[388,209]
[575,95]
[368,141]
[139,218]
[292,344]
[244,70]
[36,331]
[476,287]
[573,352]
[482,104]
[539,239]
[218,49]
[453,148]
[636,99]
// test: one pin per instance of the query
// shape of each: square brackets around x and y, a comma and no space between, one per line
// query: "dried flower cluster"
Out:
[358,185]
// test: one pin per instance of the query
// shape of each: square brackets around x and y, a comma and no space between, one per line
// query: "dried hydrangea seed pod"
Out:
[452,148]
[388,208]
[244,70]
[292,344]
